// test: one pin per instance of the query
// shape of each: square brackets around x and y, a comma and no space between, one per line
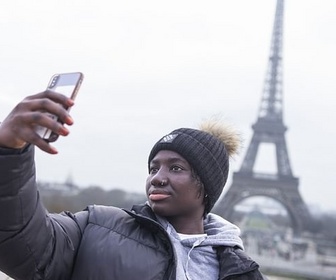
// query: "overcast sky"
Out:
[152,66]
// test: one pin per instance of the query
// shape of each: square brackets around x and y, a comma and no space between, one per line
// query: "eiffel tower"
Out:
[269,128]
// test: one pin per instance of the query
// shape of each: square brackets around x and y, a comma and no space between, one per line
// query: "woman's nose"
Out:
[159,179]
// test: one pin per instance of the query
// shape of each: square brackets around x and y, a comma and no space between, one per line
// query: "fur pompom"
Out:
[224,132]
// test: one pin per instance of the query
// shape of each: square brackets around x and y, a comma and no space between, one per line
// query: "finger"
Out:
[54,96]
[43,107]
[35,139]
[40,119]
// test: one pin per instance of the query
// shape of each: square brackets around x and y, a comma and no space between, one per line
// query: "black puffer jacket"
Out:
[99,243]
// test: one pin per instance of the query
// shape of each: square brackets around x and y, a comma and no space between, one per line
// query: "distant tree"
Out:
[58,202]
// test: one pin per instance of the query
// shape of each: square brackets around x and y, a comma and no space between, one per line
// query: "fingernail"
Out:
[53,150]
[69,120]
[64,131]
[71,102]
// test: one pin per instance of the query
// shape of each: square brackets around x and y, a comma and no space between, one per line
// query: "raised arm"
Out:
[33,244]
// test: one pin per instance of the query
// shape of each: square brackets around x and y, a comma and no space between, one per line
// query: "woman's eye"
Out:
[176,168]
[153,170]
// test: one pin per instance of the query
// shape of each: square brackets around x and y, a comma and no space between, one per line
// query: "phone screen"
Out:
[67,84]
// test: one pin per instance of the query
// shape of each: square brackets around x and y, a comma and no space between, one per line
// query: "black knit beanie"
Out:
[205,153]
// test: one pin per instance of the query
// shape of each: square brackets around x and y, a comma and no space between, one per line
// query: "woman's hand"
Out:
[19,127]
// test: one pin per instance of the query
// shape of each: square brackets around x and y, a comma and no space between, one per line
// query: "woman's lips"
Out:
[158,196]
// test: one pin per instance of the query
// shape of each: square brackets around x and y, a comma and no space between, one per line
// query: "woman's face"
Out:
[172,187]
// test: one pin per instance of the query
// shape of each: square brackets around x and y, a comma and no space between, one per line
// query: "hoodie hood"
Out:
[221,232]
[196,254]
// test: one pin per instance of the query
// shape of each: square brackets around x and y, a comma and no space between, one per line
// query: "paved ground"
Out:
[306,268]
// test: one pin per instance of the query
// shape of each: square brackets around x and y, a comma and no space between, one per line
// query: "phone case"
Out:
[64,83]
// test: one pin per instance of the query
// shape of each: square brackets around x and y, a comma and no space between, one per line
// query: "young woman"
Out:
[171,236]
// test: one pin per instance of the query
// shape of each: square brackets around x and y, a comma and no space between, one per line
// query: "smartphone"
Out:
[64,83]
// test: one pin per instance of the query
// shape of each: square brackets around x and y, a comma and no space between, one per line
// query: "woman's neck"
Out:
[187,225]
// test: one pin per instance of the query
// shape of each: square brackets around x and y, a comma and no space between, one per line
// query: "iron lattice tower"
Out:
[269,128]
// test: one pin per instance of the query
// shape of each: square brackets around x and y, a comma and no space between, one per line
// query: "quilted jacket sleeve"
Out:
[33,243]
